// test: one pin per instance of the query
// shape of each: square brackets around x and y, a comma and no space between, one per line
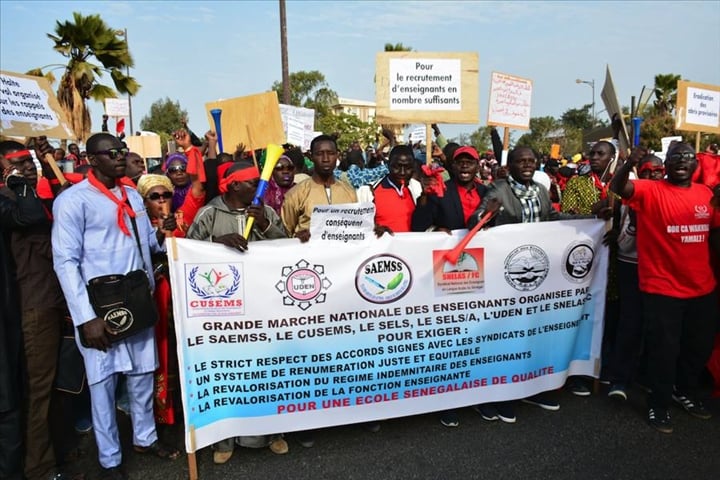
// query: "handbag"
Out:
[124,302]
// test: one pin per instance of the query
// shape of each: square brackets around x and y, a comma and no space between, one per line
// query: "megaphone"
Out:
[273,153]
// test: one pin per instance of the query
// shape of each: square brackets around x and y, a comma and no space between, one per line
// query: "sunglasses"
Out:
[176,169]
[284,168]
[652,169]
[682,156]
[157,196]
[113,153]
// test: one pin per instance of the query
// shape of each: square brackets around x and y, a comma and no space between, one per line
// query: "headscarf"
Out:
[150,181]
[180,192]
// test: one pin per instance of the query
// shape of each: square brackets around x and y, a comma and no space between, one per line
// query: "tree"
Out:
[349,128]
[480,139]
[398,47]
[80,41]
[309,90]
[544,131]
[579,118]
[164,118]
[666,92]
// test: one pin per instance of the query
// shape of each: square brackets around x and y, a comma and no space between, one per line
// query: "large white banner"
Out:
[292,336]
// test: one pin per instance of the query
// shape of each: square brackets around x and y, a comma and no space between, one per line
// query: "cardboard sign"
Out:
[147,146]
[423,87]
[698,107]
[612,105]
[510,101]
[117,107]
[299,125]
[29,108]
[253,120]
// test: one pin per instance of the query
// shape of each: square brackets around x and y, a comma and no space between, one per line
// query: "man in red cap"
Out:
[463,194]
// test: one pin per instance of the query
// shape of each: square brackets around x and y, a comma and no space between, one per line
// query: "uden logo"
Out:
[303,285]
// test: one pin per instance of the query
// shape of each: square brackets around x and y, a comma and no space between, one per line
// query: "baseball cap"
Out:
[470,151]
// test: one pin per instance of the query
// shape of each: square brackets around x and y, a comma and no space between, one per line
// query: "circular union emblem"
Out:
[303,284]
[526,267]
[383,279]
[118,320]
[578,261]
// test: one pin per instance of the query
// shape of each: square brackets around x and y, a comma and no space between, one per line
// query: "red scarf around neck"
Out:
[599,185]
[122,203]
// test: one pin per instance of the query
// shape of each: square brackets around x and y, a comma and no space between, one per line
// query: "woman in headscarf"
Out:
[188,191]
[282,180]
[157,191]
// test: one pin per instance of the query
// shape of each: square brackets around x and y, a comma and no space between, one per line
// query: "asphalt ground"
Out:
[588,438]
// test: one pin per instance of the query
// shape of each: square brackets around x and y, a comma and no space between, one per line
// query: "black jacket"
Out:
[443,212]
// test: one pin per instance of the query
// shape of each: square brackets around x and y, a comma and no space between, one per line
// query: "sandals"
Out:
[159,450]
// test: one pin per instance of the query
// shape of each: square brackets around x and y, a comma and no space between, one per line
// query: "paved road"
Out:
[588,438]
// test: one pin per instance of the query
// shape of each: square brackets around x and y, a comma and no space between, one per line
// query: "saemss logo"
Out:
[526,267]
[303,285]
[383,279]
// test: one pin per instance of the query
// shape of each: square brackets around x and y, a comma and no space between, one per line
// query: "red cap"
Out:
[466,151]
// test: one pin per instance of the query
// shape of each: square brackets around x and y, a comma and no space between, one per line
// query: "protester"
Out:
[675,228]
[42,306]
[135,167]
[92,236]
[223,220]
[281,181]
[320,189]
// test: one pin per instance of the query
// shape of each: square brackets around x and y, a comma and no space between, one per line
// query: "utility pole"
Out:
[284,54]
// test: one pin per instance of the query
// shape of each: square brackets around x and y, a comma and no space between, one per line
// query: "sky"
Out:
[199,51]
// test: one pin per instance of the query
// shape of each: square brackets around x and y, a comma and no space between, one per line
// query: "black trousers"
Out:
[679,340]
[627,345]
[11,452]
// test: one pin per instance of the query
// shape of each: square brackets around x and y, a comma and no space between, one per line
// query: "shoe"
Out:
[113,473]
[660,420]
[372,427]
[279,446]
[693,406]
[83,426]
[487,411]
[221,457]
[166,452]
[543,401]
[450,419]
[306,438]
[506,412]
[617,392]
[578,387]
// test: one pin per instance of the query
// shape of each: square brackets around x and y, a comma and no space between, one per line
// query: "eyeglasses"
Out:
[157,196]
[176,169]
[285,168]
[652,170]
[682,156]
[113,153]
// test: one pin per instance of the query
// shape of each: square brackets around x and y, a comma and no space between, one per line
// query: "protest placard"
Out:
[510,101]
[614,111]
[299,125]
[343,222]
[253,120]
[147,146]
[425,87]
[698,107]
[29,108]
[295,336]
[117,107]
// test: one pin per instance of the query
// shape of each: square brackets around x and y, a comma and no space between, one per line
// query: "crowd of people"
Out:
[113,217]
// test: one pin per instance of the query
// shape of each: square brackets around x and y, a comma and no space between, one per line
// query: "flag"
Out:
[120,127]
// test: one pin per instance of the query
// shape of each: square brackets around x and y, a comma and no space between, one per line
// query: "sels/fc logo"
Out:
[579,258]
[303,285]
[526,267]
[383,279]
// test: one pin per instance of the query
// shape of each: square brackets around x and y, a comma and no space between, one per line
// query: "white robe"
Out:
[87,243]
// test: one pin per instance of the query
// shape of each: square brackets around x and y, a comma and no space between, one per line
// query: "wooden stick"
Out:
[56,170]
[506,144]
[697,142]
[252,150]
[192,460]
[428,141]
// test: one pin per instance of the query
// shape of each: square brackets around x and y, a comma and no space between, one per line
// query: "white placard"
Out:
[510,101]
[703,107]
[117,107]
[425,84]
[343,223]
[298,124]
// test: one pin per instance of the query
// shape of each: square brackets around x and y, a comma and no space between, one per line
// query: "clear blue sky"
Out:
[195,52]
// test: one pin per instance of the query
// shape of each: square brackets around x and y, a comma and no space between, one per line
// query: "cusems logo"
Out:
[215,289]
[383,279]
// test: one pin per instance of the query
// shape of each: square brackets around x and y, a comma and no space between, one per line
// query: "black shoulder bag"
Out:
[124,302]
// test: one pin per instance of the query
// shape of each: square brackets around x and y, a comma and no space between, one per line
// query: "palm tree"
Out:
[87,38]
[666,92]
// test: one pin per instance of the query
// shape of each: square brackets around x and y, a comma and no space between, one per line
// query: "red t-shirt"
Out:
[673,229]
[708,171]
[470,200]
[391,209]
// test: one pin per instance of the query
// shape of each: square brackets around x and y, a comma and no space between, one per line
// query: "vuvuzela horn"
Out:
[271,158]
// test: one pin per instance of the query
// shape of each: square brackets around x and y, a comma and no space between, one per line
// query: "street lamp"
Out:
[592,85]
[123,33]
